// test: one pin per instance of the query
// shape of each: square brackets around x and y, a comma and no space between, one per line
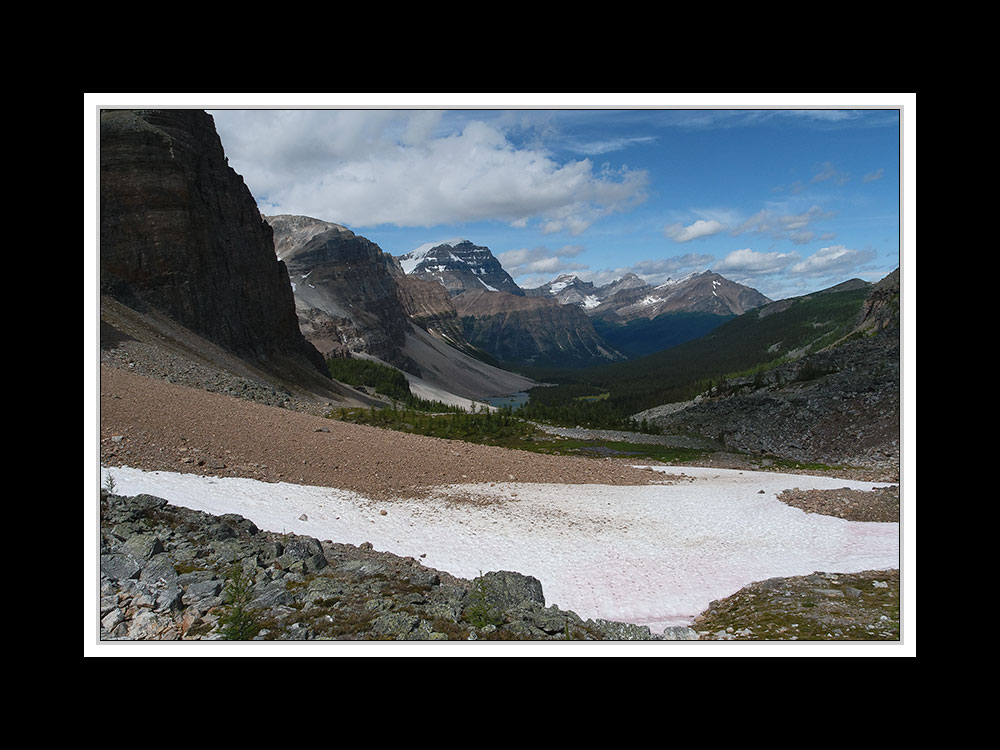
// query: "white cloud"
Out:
[541,260]
[596,148]
[363,168]
[831,260]
[776,222]
[749,263]
[829,172]
[780,225]
[700,228]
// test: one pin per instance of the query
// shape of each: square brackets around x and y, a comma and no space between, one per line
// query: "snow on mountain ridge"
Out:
[412,259]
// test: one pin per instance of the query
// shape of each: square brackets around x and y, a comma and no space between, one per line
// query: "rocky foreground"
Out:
[170,573]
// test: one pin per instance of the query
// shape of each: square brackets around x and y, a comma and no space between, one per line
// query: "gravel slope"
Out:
[150,424]
[154,425]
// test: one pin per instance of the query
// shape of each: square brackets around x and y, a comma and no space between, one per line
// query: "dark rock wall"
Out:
[466,267]
[531,330]
[181,233]
[353,284]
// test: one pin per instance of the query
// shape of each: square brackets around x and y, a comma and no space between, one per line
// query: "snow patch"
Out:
[411,260]
[651,555]
[675,282]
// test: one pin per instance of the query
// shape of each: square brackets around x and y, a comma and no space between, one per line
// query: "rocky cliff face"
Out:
[429,306]
[706,292]
[345,289]
[181,234]
[531,330]
[840,405]
[881,310]
[460,266]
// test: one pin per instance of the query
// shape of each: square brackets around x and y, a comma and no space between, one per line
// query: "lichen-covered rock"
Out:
[167,574]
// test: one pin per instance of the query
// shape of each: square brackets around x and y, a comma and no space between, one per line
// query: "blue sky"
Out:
[785,200]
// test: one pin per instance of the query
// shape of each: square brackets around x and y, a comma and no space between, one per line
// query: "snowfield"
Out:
[652,555]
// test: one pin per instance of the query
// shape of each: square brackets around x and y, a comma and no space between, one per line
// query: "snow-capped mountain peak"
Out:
[412,259]
[459,265]
[632,297]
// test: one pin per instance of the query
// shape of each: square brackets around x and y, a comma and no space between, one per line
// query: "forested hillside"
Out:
[748,345]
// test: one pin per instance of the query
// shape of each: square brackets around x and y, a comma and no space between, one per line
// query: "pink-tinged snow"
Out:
[653,555]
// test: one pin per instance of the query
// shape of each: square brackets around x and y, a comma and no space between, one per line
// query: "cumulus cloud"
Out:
[788,226]
[831,260]
[363,168]
[700,228]
[749,263]
[773,221]
[541,260]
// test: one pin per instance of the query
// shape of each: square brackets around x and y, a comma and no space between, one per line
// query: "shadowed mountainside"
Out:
[181,238]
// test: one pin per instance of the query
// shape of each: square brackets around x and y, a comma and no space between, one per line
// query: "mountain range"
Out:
[353,299]
[569,322]
[200,292]
[190,269]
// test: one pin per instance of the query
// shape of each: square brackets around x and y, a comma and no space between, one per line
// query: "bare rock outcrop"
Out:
[531,330]
[170,573]
[181,235]
[345,289]
[839,405]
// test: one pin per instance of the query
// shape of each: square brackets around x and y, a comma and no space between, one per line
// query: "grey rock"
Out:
[195,576]
[353,593]
[147,625]
[158,568]
[202,590]
[679,633]
[143,546]
[170,598]
[506,589]
[425,578]
[240,524]
[551,621]
[112,619]
[363,568]
[324,589]
[120,566]
[272,595]
[397,624]
[623,631]
[304,550]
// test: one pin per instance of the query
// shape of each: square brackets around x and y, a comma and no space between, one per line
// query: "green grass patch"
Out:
[506,429]
[618,449]
[498,427]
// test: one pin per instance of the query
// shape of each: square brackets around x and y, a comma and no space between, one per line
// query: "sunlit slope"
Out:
[765,336]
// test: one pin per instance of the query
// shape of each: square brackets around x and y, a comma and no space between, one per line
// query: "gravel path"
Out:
[152,425]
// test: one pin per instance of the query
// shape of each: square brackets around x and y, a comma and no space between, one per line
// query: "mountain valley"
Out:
[219,331]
